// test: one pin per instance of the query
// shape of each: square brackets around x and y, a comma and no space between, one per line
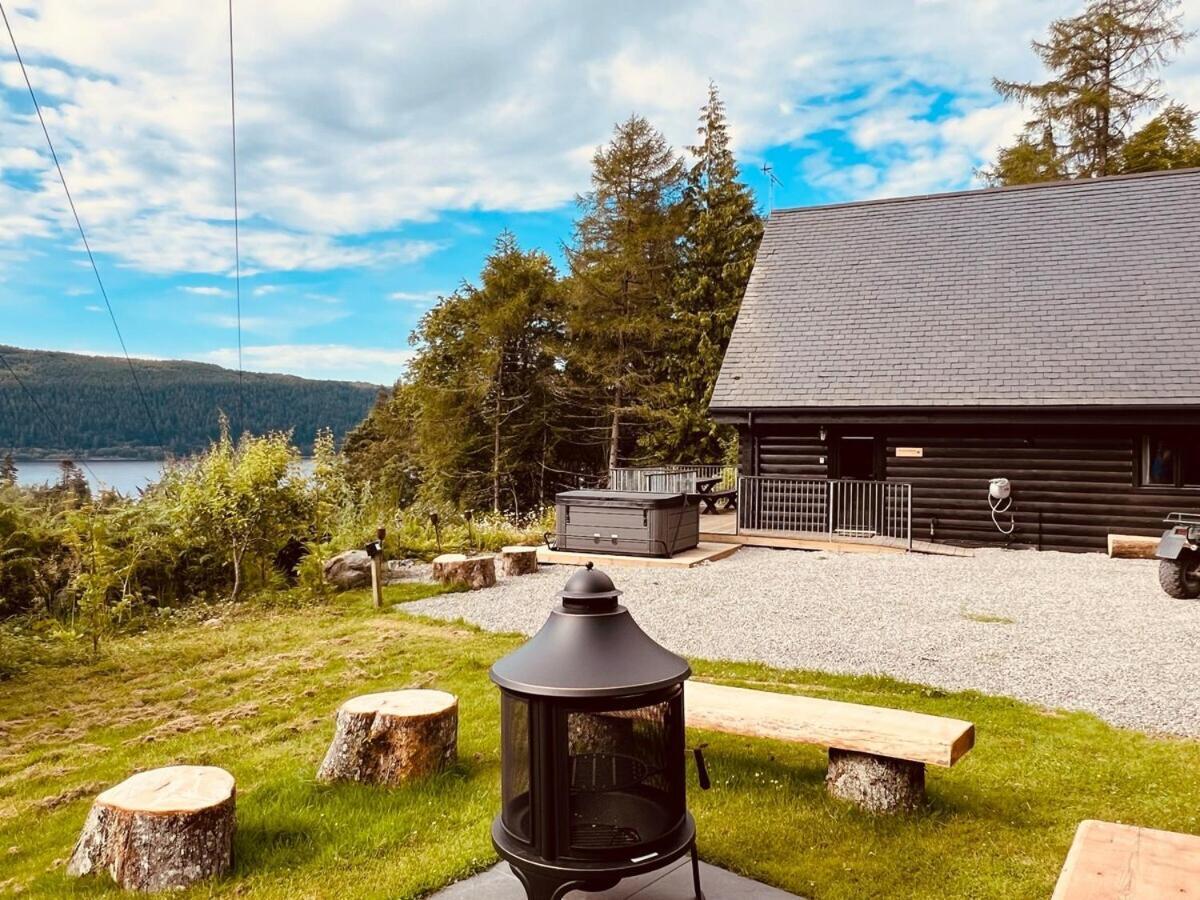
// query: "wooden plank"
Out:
[1108,861]
[685,559]
[895,733]
[1132,546]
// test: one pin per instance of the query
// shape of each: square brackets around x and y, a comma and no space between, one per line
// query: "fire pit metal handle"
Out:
[701,767]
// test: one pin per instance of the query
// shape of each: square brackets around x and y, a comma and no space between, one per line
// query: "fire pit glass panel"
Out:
[514,774]
[621,792]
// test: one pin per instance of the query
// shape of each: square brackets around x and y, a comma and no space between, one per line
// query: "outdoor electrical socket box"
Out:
[630,523]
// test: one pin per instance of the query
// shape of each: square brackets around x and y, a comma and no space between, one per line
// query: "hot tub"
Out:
[631,523]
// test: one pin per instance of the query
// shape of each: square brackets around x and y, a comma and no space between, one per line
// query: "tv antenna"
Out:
[772,181]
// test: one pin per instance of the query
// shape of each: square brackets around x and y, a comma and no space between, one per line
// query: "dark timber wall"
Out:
[1071,486]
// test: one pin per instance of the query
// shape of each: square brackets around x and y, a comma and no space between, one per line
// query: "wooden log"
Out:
[392,737]
[1132,546]
[475,572]
[165,828]
[876,783]
[518,561]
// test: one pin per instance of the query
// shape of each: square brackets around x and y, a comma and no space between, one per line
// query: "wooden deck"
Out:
[722,529]
[703,552]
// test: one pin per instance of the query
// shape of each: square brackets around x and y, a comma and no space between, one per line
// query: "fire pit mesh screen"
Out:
[620,792]
[514,776]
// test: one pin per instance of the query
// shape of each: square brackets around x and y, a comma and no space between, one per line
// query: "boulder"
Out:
[348,570]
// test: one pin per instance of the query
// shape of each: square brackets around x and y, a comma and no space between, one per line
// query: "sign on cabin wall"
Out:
[913,452]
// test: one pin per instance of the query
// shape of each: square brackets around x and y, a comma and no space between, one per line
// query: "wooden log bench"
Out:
[1121,862]
[877,756]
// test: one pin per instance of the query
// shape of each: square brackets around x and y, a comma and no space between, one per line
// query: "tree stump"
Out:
[165,828]
[600,733]
[876,783]
[518,561]
[392,737]
[475,572]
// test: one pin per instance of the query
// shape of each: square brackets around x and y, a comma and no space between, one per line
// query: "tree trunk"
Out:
[518,561]
[237,575]
[165,828]
[496,438]
[390,738]
[876,783]
[475,572]
[614,436]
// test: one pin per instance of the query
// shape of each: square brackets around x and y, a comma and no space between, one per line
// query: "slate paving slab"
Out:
[673,882]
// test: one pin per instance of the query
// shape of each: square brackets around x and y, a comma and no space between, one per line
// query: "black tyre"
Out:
[1180,578]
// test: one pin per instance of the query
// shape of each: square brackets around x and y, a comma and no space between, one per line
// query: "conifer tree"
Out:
[1168,141]
[481,383]
[1103,64]
[717,253]
[622,272]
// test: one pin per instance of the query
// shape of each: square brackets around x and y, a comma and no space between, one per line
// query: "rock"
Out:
[165,828]
[876,783]
[474,572]
[392,737]
[348,570]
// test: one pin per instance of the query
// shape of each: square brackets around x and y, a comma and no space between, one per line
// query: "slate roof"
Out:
[1081,293]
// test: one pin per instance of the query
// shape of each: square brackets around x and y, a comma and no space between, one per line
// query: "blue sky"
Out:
[382,150]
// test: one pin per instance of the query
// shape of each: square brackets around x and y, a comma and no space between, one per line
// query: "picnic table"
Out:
[706,491]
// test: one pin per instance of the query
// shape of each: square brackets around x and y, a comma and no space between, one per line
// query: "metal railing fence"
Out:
[828,509]
[674,478]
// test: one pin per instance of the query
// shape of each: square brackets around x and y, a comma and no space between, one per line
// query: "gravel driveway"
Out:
[1079,631]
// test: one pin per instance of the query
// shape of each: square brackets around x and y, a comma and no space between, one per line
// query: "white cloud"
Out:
[264,289]
[92,308]
[415,296]
[357,118]
[285,323]
[206,291]
[341,361]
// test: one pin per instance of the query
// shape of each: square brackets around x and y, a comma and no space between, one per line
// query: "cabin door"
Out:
[855,498]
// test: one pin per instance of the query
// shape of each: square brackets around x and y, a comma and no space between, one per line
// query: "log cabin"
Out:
[1047,334]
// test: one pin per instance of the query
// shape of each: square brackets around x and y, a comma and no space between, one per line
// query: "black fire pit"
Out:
[592,749]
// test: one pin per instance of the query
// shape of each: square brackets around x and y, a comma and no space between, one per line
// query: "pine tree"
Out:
[1103,64]
[622,272]
[8,471]
[1168,141]
[480,389]
[717,253]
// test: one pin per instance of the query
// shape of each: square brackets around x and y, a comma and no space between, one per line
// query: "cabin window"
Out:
[1170,462]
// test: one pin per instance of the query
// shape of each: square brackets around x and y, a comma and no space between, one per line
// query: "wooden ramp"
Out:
[1120,862]
[722,529]
[701,553]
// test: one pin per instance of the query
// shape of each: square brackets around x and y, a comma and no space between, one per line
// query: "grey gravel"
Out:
[1073,631]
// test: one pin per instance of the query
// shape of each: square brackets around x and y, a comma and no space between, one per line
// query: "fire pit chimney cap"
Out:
[589,589]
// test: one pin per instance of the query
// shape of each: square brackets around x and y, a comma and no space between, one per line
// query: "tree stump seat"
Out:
[474,572]
[392,737]
[877,756]
[518,560]
[164,828]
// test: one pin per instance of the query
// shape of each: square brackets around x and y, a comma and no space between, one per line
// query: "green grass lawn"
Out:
[256,694]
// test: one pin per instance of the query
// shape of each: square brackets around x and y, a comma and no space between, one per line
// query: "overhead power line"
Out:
[79,224]
[237,250]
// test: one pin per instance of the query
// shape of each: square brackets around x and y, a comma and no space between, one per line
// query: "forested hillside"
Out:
[93,409]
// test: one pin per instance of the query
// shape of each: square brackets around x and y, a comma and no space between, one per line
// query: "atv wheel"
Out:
[1180,578]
